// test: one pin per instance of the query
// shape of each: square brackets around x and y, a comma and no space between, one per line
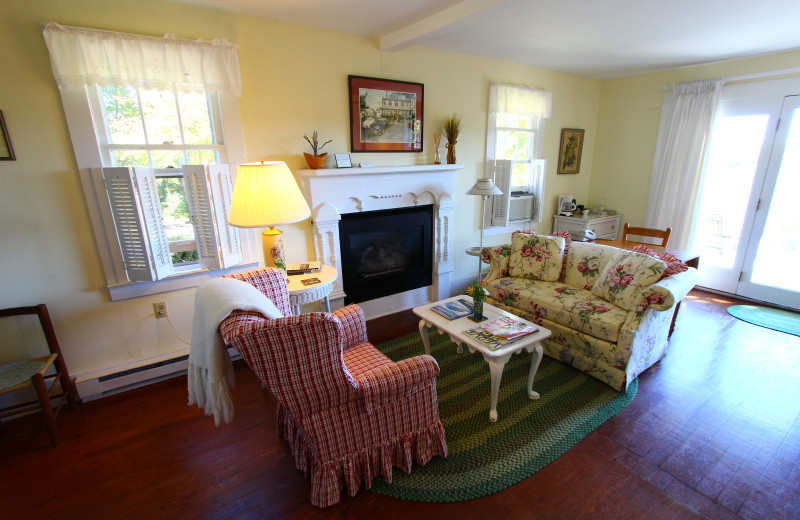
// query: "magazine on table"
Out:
[499,333]
[454,309]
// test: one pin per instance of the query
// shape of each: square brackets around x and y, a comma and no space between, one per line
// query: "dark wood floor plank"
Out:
[714,431]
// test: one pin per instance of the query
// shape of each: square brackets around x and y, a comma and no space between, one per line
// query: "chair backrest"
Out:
[272,283]
[299,358]
[646,232]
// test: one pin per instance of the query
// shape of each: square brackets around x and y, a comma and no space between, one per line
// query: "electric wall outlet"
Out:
[160,309]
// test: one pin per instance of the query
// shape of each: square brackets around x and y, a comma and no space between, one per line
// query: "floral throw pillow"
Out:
[536,257]
[567,236]
[625,276]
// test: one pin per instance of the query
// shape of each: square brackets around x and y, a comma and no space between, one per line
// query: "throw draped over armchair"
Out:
[347,411]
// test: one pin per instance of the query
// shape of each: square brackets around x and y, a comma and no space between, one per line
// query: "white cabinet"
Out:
[604,227]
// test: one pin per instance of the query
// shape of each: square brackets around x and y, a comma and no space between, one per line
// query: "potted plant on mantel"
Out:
[317,160]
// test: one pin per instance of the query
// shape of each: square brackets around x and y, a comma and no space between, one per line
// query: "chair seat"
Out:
[18,373]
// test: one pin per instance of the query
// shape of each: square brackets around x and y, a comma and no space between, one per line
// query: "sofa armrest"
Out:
[354,325]
[497,258]
[661,296]
[382,385]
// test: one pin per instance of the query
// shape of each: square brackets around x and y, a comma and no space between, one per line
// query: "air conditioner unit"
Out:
[521,207]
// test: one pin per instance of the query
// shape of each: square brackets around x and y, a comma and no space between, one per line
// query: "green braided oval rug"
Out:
[486,457]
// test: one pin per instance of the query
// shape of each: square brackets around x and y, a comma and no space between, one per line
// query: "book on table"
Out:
[499,333]
[303,268]
[454,309]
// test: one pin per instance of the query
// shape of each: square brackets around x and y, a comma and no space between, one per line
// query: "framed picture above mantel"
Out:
[569,153]
[385,115]
[6,150]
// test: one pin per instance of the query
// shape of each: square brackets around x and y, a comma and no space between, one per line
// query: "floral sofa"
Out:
[609,309]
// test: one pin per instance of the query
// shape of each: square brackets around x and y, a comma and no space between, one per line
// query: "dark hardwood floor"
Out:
[713,432]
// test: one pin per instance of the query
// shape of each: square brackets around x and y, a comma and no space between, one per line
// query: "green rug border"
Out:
[521,468]
[744,313]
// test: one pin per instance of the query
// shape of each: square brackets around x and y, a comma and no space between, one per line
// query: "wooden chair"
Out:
[646,232]
[18,375]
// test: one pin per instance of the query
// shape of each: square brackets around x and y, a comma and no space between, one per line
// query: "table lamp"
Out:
[266,195]
[485,188]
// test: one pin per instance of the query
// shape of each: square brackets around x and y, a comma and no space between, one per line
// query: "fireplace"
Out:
[386,252]
[339,195]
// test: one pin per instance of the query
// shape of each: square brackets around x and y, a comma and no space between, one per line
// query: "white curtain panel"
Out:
[93,57]
[682,140]
[520,100]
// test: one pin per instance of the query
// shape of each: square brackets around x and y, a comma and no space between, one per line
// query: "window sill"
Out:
[176,282]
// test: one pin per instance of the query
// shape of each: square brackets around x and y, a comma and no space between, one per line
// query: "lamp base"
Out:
[272,242]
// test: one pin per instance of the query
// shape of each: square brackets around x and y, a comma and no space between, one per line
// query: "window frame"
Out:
[87,141]
[534,154]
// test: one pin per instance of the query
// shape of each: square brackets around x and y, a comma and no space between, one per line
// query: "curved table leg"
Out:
[535,360]
[423,331]
[496,366]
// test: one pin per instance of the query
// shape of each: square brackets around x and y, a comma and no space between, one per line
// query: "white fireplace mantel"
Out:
[332,192]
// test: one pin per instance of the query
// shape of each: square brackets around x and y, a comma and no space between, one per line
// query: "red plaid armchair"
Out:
[347,411]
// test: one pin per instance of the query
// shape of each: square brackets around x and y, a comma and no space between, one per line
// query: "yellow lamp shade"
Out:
[266,194]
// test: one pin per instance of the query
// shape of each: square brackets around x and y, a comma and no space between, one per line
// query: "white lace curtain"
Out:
[93,57]
[682,140]
[520,100]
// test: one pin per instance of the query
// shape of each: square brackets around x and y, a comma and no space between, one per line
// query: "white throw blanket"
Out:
[210,367]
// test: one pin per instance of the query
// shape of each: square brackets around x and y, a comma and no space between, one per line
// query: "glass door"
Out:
[735,169]
[773,251]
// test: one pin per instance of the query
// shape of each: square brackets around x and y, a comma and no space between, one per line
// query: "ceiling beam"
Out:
[411,34]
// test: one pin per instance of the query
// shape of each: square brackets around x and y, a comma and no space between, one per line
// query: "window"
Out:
[149,143]
[515,122]
[162,130]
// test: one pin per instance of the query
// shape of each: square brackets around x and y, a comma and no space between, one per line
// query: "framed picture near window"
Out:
[6,150]
[569,153]
[385,115]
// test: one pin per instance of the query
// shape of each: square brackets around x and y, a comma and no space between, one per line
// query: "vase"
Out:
[477,309]
[315,162]
[436,158]
[451,153]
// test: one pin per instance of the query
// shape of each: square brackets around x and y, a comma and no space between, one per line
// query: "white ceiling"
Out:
[599,39]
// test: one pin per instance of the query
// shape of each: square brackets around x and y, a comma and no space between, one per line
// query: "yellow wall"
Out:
[627,128]
[295,81]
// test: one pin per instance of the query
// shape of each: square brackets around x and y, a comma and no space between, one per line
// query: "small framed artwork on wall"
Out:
[385,115]
[569,153]
[6,150]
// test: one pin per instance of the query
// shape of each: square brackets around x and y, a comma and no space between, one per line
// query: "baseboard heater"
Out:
[92,387]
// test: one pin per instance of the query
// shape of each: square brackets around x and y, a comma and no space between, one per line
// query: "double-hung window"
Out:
[146,116]
[513,149]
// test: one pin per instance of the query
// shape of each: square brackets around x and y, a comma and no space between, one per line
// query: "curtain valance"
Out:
[520,100]
[93,57]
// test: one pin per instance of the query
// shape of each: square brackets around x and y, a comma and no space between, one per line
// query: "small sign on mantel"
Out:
[365,165]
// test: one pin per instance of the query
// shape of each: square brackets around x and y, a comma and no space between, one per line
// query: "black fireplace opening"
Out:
[386,252]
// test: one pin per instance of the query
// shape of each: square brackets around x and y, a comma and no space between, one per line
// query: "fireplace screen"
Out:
[386,252]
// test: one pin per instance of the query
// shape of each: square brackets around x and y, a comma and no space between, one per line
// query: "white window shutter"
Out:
[208,195]
[134,203]
[500,171]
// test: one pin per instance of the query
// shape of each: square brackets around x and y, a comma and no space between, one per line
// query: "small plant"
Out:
[314,142]
[451,127]
[477,290]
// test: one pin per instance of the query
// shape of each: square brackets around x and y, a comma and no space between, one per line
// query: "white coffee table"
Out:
[496,359]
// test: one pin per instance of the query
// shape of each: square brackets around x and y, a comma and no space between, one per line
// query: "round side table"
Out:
[300,294]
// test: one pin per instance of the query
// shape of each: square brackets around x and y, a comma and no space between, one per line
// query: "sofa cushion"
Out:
[536,257]
[625,276]
[575,308]
[585,262]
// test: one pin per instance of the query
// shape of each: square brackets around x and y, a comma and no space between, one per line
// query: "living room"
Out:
[294,81]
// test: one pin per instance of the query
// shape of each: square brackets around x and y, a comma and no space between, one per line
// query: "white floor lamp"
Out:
[485,188]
